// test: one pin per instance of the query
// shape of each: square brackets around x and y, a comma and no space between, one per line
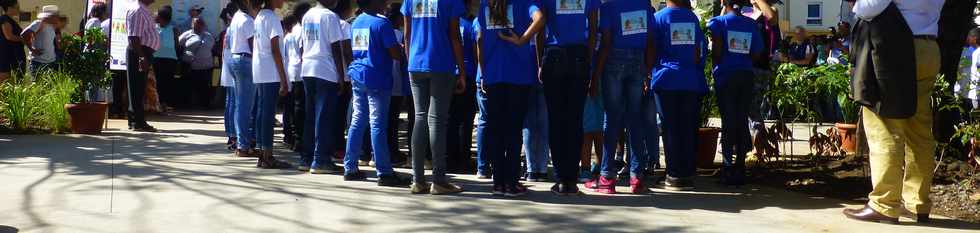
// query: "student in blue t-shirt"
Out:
[735,42]
[463,108]
[676,47]
[624,27]
[508,71]
[374,46]
[434,47]
[570,34]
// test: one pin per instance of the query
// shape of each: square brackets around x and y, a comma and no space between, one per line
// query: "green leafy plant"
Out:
[88,64]
[38,105]
[17,101]
[59,88]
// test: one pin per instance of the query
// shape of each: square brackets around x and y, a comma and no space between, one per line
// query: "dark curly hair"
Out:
[7,4]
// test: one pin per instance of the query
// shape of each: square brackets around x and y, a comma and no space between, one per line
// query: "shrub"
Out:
[17,97]
[37,105]
[89,66]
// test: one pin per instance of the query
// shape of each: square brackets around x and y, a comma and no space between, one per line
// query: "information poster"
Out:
[119,41]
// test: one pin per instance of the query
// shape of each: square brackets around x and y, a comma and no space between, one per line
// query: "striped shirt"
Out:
[140,23]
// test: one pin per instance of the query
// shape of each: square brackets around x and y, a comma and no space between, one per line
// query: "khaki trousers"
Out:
[902,150]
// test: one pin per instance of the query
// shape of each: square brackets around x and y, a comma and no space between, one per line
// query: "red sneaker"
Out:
[636,186]
[604,185]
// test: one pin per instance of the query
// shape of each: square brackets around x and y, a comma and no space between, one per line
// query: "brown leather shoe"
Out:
[868,214]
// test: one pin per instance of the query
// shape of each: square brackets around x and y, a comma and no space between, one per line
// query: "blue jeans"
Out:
[265,119]
[535,133]
[680,111]
[651,130]
[735,98]
[230,111]
[506,108]
[482,160]
[241,69]
[370,110]
[433,93]
[320,120]
[622,94]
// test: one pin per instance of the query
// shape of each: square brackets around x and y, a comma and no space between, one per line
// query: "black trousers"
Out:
[200,80]
[118,105]
[343,122]
[165,69]
[395,109]
[462,110]
[293,113]
[136,79]
[564,73]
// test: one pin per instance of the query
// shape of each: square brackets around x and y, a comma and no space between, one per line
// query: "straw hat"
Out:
[48,11]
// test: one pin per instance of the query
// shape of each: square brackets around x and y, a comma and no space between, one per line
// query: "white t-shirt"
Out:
[241,28]
[294,54]
[321,28]
[267,26]
[227,80]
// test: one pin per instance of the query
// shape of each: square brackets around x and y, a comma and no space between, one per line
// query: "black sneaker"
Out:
[565,189]
[394,180]
[678,184]
[355,176]
[325,168]
[516,191]
[485,175]
[498,190]
[536,177]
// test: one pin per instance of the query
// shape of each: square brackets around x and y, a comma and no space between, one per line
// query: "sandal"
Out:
[267,161]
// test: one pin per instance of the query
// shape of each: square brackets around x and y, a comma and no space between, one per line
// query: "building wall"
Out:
[71,8]
[793,13]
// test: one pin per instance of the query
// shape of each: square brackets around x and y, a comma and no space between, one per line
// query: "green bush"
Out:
[89,66]
[38,105]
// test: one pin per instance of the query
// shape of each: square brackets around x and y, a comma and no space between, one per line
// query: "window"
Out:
[814,13]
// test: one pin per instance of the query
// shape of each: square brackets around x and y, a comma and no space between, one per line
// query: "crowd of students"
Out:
[562,75]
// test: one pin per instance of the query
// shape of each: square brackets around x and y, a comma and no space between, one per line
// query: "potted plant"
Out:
[835,80]
[88,65]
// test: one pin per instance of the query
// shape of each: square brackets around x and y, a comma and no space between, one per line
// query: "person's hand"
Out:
[460,84]
[35,51]
[540,78]
[283,89]
[483,88]
[510,36]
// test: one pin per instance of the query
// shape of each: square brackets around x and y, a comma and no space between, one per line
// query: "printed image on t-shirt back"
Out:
[426,9]
[634,22]
[496,23]
[570,7]
[312,31]
[739,42]
[361,39]
[682,33]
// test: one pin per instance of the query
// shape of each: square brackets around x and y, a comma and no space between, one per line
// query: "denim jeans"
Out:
[564,73]
[680,110]
[651,133]
[370,111]
[230,111]
[433,93]
[506,108]
[622,94]
[482,160]
[320,120]
[734,100]
[535,133]
[241,69]
[265,119]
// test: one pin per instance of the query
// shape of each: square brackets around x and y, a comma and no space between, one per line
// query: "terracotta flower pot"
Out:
[707,147]
[846,133]
[87,118]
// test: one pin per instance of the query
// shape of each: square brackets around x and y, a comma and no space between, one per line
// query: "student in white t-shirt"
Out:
[321,71]
[293,103]
[269,76]
[239,37]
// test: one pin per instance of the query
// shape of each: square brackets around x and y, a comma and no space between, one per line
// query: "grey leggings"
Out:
[433,93]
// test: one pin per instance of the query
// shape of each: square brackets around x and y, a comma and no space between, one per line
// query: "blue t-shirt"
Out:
[678,38]
[741,39]
[371,37]
[627,21]
[429,47]
[504,62]
[567,20]
[468,34]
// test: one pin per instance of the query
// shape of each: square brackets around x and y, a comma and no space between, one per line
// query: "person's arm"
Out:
[136,44]
[479,56]
[605,44]
[593,36]
[457,44]
[537,24]
[8,32]
[650,59]
[407,38]
[28,36]
[716,48]
[280,68]
[768,12]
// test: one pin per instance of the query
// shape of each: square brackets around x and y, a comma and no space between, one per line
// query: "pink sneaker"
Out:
[604,185]
[636,186]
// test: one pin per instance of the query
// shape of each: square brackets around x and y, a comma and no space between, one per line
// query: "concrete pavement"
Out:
[183,180]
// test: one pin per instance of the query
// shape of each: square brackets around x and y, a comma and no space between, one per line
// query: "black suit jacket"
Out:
[883,77]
